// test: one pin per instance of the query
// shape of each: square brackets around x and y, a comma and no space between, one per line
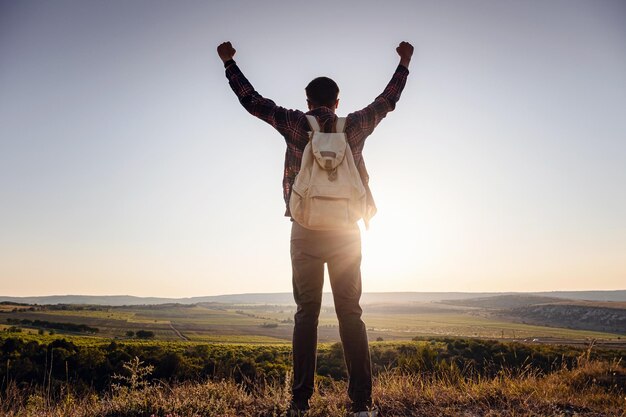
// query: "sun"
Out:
[397,248]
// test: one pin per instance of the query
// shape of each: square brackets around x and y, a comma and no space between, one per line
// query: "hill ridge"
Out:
[287,297]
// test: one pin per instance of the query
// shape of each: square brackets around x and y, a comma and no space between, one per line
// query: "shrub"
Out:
[144,334]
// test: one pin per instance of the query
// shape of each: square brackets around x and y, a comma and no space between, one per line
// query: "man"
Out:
[311,249]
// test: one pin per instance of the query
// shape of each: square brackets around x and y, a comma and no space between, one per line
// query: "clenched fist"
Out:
[405,50]
[226,51]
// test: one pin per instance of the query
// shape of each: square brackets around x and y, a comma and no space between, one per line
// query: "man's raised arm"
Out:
[370,116]
[257,105]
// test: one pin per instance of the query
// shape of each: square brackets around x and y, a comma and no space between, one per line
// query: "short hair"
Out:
[322,91]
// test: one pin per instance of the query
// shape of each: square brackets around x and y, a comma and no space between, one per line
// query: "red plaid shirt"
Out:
[293,125]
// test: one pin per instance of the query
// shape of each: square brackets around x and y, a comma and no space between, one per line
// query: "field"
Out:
[471,358]
[261,323]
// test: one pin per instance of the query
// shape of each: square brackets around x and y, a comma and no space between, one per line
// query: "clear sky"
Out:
[127,166]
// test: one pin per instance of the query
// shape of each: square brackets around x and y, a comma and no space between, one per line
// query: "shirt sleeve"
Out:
[280,118]
[369,117]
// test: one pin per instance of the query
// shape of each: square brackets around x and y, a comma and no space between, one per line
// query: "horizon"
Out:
[324,292]
[123,149]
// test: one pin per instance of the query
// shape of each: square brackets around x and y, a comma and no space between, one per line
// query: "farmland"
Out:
[273,323]
[243,351]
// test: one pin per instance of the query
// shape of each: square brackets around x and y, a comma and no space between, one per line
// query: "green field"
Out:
[231,323]
[447,351]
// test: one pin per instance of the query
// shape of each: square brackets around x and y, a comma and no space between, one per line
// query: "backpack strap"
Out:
[370,206]
[315,127]
[340,124]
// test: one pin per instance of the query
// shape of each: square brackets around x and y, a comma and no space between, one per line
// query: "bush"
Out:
[26,363]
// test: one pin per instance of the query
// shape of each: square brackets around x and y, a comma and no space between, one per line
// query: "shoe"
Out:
[371,413]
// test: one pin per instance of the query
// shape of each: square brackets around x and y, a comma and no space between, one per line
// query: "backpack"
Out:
[329,192]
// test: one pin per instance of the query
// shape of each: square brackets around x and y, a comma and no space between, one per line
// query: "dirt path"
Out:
[179,334]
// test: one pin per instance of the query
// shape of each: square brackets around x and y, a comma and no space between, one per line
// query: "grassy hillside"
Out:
[503,301]
[220,359]
[591,388]
[572,316]
[602,316]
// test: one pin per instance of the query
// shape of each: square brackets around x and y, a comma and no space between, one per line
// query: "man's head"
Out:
[322,92]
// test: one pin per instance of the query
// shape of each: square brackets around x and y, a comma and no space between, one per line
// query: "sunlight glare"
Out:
[401,243]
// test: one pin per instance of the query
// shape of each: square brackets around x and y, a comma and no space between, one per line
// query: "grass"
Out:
[592,383]
[591,389]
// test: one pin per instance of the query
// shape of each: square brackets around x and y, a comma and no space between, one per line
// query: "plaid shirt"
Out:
[293,125]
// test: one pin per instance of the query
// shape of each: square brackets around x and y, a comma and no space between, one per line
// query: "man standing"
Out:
[311,249]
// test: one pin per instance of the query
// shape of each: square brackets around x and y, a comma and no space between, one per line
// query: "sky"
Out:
[127,165]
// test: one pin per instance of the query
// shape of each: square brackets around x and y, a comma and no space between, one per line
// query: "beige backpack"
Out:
[328,192]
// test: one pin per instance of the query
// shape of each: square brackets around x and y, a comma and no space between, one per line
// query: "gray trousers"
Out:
[341,251]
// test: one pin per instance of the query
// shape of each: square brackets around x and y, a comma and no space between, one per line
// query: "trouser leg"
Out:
[344,268]
[307,280]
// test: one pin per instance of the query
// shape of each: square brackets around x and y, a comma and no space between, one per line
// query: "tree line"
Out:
[43,324]
[32,363]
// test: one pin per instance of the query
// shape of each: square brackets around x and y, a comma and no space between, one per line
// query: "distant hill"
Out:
[581,314]
[617,295]
[503,301]
[571,316]
[367,298]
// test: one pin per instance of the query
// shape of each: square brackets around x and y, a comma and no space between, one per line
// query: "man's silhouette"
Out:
[311,249]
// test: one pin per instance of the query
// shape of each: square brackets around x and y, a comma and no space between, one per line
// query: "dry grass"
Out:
[591,389]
